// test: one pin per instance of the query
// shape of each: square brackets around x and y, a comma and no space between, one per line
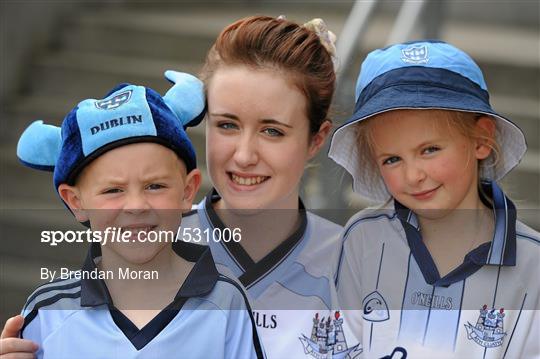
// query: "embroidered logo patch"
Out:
[375,308]
[327,339]
[114,102]
[415,54]
[489,329]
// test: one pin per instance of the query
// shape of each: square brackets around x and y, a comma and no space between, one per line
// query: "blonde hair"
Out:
[464,123]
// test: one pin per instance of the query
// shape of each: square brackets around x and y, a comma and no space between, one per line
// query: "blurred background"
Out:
[55,53]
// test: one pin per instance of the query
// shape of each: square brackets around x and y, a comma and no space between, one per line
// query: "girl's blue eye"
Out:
[272,132]
[391,160]
[227,126]
[430,149]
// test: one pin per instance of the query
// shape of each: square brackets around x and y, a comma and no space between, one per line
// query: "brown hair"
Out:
[463,123]
[263,42]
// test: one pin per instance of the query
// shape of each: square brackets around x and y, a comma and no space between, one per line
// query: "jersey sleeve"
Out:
[32,329]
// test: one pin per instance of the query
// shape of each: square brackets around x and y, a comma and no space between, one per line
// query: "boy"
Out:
[125,164]
[446,269]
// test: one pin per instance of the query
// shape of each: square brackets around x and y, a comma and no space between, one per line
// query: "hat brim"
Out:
[344,150]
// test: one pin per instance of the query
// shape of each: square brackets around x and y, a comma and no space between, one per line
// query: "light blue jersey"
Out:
[292,288]
[487,307]
[209,318]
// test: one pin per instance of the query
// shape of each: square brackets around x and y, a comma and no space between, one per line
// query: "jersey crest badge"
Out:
[327,340]
[375,308]
[489,329]
[415,55]
[114,102]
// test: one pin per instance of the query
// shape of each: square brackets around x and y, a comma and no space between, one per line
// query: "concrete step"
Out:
[176,34]
[89,75]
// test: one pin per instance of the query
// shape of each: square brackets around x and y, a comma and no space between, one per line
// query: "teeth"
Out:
[136,231]
[249,181]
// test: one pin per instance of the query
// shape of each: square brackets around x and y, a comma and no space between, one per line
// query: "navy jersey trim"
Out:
[49,287]
[515,326]
[236,250]
[141,337]
[199,281]
[256,340]
[46,302]
[190,213]
[501,250]
[254,272]
[535,240]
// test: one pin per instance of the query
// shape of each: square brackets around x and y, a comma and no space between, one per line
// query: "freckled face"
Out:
[139,188]
[257,138]
[424,164]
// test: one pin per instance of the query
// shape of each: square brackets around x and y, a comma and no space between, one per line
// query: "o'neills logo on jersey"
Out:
[489,329]
[431,301]
[115,122]
[265,321]
[327,339]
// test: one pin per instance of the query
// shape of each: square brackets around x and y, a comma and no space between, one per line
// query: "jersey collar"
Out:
[501,251]
[199,282]
[252,272]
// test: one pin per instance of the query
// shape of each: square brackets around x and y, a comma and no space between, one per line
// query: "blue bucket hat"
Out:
[128,114]
[420,75]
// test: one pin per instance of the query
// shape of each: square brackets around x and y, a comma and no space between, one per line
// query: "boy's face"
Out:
[139,188]
[424,163]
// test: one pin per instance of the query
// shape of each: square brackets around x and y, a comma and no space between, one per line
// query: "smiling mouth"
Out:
[425,194]
[247,180]
[136,230]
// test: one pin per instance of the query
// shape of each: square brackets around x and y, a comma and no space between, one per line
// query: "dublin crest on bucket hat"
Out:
[420,75]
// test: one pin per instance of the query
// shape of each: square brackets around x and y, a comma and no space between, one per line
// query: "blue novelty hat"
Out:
[128,114]
[420,75]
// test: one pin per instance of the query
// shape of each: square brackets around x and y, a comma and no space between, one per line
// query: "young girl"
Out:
[445,270]
[269,84]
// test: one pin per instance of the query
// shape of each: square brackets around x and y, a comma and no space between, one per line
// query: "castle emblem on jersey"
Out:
[415,55]
[114,102]
[327,339]
[375,308]
[489,329]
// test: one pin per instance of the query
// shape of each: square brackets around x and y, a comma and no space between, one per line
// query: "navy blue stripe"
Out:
[256,340]
[50,289]
[459,315]
[428,316]
[380,265]
[529,237]
[45,303]
[515,325]
[424,76]
[370,336]
[404,291]
[336,279]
